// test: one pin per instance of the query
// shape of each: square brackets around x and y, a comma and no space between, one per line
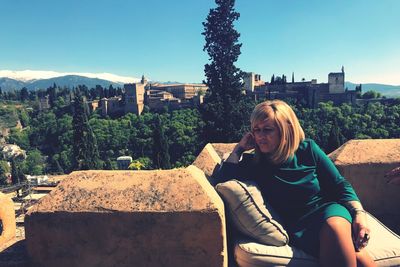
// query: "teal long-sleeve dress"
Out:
[305,191]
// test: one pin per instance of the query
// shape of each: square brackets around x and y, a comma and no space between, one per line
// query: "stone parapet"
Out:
[364,163]
[210,158]
[208,161]
[222,149]
[129,218]
[7,219]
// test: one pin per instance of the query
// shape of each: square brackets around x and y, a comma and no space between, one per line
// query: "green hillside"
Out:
[8,115]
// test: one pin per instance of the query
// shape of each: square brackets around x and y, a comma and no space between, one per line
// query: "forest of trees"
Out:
[51,138]
[169,139]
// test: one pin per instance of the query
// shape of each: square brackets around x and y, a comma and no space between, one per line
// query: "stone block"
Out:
[129,218]
[208,161]
[364,163]
[222,149]
[7,218]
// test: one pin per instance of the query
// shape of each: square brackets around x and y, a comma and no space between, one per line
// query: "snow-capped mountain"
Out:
[15,80]
[31,75]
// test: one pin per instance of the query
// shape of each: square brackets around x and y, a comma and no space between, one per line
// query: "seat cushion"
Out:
[249,213]
[251,254]
[384,244]
[384,248]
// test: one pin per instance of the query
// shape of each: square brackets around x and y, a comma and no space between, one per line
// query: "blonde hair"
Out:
[289,127]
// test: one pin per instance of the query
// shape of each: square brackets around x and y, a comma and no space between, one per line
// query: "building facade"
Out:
[309,92]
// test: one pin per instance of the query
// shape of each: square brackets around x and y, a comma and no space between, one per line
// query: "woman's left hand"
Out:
[361,231]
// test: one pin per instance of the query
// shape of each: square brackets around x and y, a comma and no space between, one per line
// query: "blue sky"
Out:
[162,39]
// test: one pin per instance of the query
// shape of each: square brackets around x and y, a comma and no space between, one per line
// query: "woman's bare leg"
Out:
[364,259]
[336,245]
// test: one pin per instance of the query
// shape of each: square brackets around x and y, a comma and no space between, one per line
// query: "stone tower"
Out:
[143,80]
[248,80]
[336,82]
[134,98]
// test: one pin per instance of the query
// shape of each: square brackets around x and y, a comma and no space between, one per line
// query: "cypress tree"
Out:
[24,94]
[52,91]
[55,166]
[85,151]
[4,169]
[335,137]
[161,158]
[224,110]
[16,174]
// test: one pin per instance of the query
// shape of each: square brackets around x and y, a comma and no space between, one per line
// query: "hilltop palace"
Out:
[158,96]
[154,95]
[310,92]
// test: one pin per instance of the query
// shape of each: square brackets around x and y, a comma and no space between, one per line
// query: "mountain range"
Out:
[384,89]
[68,81]
[33,80]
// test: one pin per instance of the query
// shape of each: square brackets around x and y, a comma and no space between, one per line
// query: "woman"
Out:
[319,208]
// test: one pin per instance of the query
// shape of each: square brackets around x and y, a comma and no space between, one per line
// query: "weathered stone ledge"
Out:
[129,218]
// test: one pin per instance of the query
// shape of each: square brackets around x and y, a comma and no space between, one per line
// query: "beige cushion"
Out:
[249,213]
[384,245]
[252,254]
[384,248]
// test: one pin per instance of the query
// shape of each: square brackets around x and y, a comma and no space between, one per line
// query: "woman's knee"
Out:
[336,227]
[336,245]
[337,224]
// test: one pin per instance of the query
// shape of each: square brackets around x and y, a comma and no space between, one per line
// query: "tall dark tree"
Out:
[55,166]
[273,79]
[24,94]
[224,103]
[161,158]
[52,92]
[99,91]
[335,138]
[16,174]
[4,169]
[85,151]
[111,91]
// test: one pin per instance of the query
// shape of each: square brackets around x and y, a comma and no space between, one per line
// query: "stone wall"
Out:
[364,163]
[129,218]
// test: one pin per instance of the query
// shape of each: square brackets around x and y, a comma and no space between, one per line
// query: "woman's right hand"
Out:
[247,142]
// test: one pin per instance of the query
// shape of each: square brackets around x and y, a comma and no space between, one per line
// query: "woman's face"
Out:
[266,135]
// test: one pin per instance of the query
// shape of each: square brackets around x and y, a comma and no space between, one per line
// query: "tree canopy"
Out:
[224,109]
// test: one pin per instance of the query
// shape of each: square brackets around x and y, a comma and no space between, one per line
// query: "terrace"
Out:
[168,217]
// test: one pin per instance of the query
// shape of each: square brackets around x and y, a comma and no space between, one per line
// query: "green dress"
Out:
[305,191]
